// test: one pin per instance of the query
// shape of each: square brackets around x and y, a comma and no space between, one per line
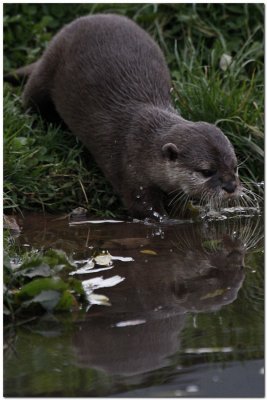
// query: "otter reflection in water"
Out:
[199,275]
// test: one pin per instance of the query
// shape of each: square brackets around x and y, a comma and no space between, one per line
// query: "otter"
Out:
[108,80]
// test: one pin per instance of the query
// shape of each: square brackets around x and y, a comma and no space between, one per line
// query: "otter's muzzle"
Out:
[229,186]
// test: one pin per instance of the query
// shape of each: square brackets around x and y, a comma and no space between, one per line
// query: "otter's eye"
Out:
[207,173]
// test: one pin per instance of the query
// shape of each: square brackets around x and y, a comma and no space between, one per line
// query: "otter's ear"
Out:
[170,151]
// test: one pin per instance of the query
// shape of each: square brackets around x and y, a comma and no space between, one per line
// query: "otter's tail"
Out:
[20,75]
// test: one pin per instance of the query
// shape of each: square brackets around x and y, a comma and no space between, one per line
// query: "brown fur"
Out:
[108,80]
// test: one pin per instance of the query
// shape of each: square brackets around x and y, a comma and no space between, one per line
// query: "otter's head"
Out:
[200,161]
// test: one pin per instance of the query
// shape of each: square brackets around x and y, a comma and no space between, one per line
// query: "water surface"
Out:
[187,318]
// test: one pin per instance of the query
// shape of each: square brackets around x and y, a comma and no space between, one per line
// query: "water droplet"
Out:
[138,196]
[259,184]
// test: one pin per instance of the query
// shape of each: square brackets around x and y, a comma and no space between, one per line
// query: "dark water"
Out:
[187,320]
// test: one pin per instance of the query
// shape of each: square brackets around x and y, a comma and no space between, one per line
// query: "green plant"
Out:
[39,282]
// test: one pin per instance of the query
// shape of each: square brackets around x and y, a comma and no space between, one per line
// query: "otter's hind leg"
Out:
[36,95]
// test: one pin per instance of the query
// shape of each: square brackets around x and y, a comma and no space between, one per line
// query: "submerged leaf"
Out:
[150,252]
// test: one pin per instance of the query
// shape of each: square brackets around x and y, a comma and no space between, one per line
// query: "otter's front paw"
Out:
[149,213]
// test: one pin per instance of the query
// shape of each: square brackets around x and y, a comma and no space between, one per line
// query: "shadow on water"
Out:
[187,320]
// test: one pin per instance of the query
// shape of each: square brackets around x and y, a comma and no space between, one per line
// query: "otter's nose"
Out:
[229,186]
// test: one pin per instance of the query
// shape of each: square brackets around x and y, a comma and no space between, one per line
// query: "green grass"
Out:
[47,168]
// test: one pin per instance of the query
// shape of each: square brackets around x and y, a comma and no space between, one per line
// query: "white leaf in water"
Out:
[85,269]
[122,324]
[125,259]
[89,271]
[89,264]
[103,259]
[99,282]
[96,283]
[225,61]
[106,221]
[99,299]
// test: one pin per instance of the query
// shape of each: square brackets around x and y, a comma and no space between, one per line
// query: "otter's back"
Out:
[100,72]
[109,61]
